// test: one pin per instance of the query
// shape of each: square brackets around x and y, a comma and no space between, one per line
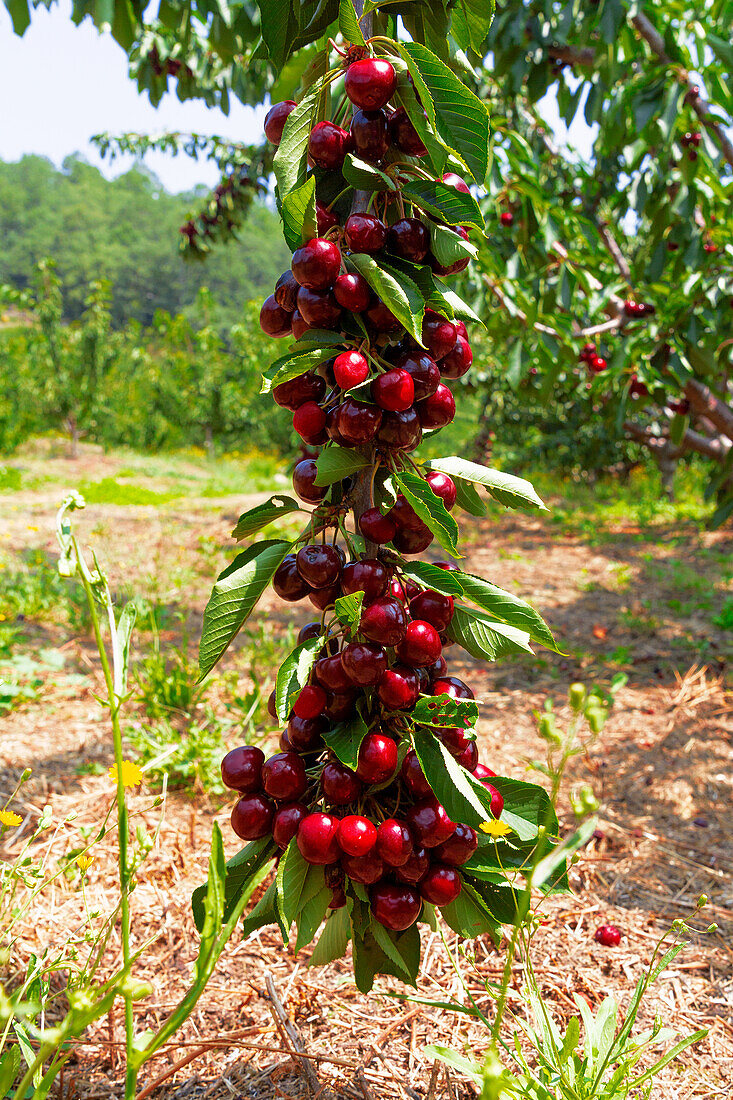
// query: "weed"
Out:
[725,619]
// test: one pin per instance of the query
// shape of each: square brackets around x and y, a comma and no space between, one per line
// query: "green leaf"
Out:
[240,876]
[430,508]
[278,27]
[10,1060]
[468,499]
[460,309]
[511,491]
[472,18]
[470,916]
[333,940]
[365,176]
[442,580]
[291,159]
[464,797]
[292,366]
[526,807]
[722,49]
[345,739]
[499,898]
[311,917]
[298,212]
[508,608]
[484,638]
[336,463]
[442,710]
[461,118]
[293,674]
[402,948]
[234,597]
[405,97]
[397,291]
[447,246]
[348,610]
[249,523]
[434,197]
[297,883]
[19,14]
[349,23]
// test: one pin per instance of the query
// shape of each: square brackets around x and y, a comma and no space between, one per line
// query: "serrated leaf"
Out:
[298,212]
[403,948]
[345,739]
[434,197]
[464,797]
[278,26]
[430,508]
[398,292]
[471,20]
[293,674]
[511,491]
[292,366]
[333,940]
[470,916]
[348,610]
[349,23]
[460,309]
[442,580]
[443,710]
[249,523]
[508,608]
[311,916]
[291,159]
[406,97]
[526,807]
[241,875]
[336,463]
[234,597]
[483,637]
[447,246]
[365,176]
[297,883]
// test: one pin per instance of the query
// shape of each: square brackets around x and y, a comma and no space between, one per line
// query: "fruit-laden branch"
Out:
[705,403]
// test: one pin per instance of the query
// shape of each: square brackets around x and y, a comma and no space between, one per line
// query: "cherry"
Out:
[394,842]
[330,673]
[455,739]
[597,364]
[396,907]
[400,431]
[338,898]
[410,239]
[350,368]
[377,758]
[413,541]
[332,427]
[325,218]
[384,621]
[340,784]
[364,663]
[299,326]
[271,707]
[438,334]
[414,776]
[382,319]
[319,565]
[323,598]
[370,134]
[415,867]
[286,289]
[453,686]
[399,688]
[423,371]
[365,233]
[327,145]
[506,218]
[252,817]
[482,772]
[368,576]
[430,822]
[241,769]
[497,800]
[284,742]
[453,180]
[316,265]
[377,528]
[340,706]
[304,482]
[370,82]
[316,838]
[608,934]
[461,329]
[356,835]
[304,734]
[286,822]
[468,759]
[352,291]
[283,776]
[311,702]
[637,388]
[404,514]
[298,391]
[457,265]
[432,607]
[459,848]
[420,645]
[318,308]
[276,118]
[364,869]
[438,669]
[358,423]
[441,885]
[404,135]
[274,320]
[394,390]
[309,421]
[437,410]
[443,487]
[287,581]
[458,360]
[449,566]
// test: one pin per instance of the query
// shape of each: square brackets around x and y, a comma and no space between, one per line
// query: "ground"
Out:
[647,595]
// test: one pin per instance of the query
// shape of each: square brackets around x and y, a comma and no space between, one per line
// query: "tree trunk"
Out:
[209,441]
[73,429]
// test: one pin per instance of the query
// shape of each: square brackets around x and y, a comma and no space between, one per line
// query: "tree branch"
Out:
[716,449]
[706,404]
[616,254]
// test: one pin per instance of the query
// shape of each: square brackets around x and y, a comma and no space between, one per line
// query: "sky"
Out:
[60,84]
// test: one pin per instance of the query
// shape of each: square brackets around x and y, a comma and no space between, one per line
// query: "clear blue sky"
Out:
[60,84]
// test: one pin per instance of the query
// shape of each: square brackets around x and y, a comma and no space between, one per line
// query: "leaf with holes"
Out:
[442,710]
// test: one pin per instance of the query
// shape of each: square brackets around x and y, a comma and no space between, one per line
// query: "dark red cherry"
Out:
[316,839]
[364,869]
[319,565]
[394,842]
[299,325]
[286,290]
[377,528]
[364,663]
[437,410]
[271,707]
[310,703]
[381,319]
[432,607]
[274,320]
[304,482]
[441,885]
[325,218]
[396,907]
[327,145]
[368,576]
[420,644]
[404,135]
[497,799]
[309,421]
[506,218]
[287,581]
[399,688]
[370,135]
[338,898]
[298,391]
[443,487]
[341,705]
[458,360]
[318,308]
[323,598]
[370,82]
[304,734]
[468,759]
[358,423]
[350,368]
[438,334]
[352,291]
[411,541]
[453,180]
[430,823]
[276,118]
[340,784]
[316,265]
[597,364]
[400,431]
[384,621]
[410,239]
[330,673]
[453,686]
[394,390]
[356,835]
[365,233]
[438,669]
[459,848]
[377,758]
[608,935]
[405,515]
[424,372]
[286,822]
[414,776]
[241,769]
[415,868]
[252,817]
[455,739]
[283,777]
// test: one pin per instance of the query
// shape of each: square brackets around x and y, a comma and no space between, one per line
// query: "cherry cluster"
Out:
[690,141]
[223,214]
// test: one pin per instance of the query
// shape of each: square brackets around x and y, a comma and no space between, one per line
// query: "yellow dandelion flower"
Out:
[32,528]
[131,773]
[84,862]
[495,828]
[7,817]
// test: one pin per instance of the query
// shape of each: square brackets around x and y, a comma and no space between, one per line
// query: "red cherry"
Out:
[459,848]
[404,514]
[396,907]
[432,607]
[274,320]
[384,621]
[276,118]
[506,218]
[430,823]
[438,334]
[420,645]
[458,360]
[287,581]
[588,351]
[316,838]
[350,368]
[461,329]
[368,576]
[452,686]
[340,706]
[338,898]
[404,135]
[608,934]
[323,598]
[316,265]
[441,885]
[437,410]
[252,817]
[377,528]
[455,739]
[364,663]
[377,758]
[319,565]
[340,784]
[394,390]
[370,135]
[453,180]
[364,869]
[318,308]
[304,482]
[413,542]
[311,702]
[306,387]
[399,688]
[497,800]
[370,82]
[400,431]
[286,290]
[356,835]
[325,218]
[328,145]
[414,776]
[330,673]
[271,707]
[283,776]
[352,291]
[443,487]
[394,842]
[365,233]
[241,769]
[424,373]
[438,669]
[410,239]
[358,423]
[304,734]
[468,759]
[286,822]
[415,868]
[299,325]
[309,421]
[381,319]
[597,364]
